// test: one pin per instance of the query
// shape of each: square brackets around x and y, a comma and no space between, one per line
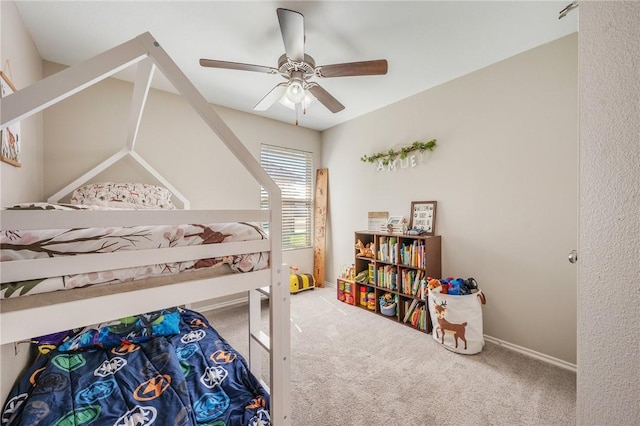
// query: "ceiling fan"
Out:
[298,68]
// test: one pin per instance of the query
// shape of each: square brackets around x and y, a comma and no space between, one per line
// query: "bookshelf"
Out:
[399,269]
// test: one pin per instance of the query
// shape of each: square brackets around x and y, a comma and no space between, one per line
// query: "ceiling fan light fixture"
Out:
[298,68]
[306,100]
[295,92]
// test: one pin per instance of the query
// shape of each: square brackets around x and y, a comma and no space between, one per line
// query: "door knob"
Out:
[573,256]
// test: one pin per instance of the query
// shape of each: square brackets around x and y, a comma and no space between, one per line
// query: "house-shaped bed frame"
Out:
[29,316]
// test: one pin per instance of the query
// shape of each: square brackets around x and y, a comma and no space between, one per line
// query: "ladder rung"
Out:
[264,290]
[263,339]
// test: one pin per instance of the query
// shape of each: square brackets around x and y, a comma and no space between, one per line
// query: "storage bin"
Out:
[389,310]
[457,320]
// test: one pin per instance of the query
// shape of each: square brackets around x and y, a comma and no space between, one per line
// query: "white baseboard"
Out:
[513,347]
[533,354]
[225,304]
[521,349]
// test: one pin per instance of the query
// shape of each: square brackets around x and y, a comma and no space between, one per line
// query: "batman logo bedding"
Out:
[163,368]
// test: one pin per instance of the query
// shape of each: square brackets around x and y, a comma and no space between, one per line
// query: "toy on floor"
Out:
[299,282]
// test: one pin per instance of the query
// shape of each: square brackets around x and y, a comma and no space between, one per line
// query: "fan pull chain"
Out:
[297,108]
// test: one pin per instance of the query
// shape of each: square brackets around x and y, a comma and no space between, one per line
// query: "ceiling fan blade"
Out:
[292,29]
[377,67]
[271,98]
[237,66]
[325,98]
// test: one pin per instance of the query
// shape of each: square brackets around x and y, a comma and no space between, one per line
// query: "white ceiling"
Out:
[426,42]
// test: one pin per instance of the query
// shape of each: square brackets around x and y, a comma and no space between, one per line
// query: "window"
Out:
[291,171]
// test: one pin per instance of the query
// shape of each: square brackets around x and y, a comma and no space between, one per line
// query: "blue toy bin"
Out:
[389,310]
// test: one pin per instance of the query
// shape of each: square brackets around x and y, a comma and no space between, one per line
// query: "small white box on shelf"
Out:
[395,224]
[378,221]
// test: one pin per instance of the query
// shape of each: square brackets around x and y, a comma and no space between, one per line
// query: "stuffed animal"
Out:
[364,251]
[433,283]
[386,299]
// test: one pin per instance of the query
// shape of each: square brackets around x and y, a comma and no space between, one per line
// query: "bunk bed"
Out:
[26,317]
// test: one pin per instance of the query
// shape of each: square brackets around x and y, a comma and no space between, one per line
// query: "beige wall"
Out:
[24,183]
[504,174]
[87,128]
[21,61]
[609,265]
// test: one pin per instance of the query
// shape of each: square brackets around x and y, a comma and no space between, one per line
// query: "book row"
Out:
[392,251]
[412,281]
[416,313]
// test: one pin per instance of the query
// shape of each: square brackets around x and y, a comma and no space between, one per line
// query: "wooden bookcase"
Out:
[399,268]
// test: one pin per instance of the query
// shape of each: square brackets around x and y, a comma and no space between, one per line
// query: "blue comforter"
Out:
[170,368]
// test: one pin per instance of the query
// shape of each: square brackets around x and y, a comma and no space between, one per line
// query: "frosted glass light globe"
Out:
[295,92]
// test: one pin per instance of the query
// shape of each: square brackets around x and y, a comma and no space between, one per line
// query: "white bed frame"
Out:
[77,308]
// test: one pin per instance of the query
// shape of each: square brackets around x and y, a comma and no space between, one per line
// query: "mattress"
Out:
[34,244]
[165,367]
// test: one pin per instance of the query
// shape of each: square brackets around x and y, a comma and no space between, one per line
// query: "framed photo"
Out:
[10,135]
[394,224]
[423,216]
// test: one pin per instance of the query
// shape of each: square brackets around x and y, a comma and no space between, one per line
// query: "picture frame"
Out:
[423,216]
[394,224]
[10,135]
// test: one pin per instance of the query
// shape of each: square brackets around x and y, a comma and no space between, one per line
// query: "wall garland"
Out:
[389,157]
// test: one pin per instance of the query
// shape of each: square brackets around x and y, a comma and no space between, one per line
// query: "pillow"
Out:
[135,329]
[123,195]
[46,206]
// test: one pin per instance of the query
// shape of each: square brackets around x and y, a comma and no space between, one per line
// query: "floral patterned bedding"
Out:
[32,244]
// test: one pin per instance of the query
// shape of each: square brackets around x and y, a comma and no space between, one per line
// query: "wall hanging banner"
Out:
[404,158]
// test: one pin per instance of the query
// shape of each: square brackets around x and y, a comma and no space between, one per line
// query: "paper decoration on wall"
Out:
[10,135]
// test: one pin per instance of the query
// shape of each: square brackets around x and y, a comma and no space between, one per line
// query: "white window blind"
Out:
[291,171]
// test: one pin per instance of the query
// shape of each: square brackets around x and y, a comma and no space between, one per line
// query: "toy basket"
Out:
[457,320]
[389,310]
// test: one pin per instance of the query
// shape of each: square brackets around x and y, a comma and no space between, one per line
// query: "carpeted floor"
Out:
[350,367]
